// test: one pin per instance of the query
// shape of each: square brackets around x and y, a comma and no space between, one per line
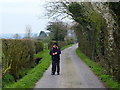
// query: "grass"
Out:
[36,73]
[99,71]
[66,46]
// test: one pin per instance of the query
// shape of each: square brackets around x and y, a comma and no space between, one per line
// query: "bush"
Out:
[70,40]
[38,46]
[62,43]
[50,44]
[17,54]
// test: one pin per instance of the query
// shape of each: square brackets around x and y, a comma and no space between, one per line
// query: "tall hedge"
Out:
[18,54]
[38,46]
[97,30]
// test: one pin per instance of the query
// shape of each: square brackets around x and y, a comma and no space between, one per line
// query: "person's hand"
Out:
[55,52]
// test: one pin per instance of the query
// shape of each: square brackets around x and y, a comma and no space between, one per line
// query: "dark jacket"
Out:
[55,57]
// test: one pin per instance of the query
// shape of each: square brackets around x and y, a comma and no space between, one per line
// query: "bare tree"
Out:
[58,9]
[28,32]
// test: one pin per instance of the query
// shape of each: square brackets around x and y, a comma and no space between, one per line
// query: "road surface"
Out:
[74,73]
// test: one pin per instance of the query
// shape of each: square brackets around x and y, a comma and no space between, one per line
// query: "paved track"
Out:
[74,73]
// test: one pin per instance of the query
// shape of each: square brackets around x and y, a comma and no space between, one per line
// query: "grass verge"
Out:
[99,71]
[36,73]
[66,46]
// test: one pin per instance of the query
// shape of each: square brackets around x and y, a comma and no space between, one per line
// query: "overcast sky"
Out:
[16,14]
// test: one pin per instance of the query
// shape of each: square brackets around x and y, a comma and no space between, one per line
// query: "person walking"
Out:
[55,53]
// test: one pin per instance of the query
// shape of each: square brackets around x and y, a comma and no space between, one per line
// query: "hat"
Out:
[55,44]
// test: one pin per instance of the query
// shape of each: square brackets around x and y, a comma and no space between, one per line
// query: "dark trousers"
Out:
[55,64]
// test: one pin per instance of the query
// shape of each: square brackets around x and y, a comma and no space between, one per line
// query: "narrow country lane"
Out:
[74,73]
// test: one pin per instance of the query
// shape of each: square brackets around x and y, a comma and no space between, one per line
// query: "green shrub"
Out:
[38,46]
[17,54]
[62,43]
[70,40]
